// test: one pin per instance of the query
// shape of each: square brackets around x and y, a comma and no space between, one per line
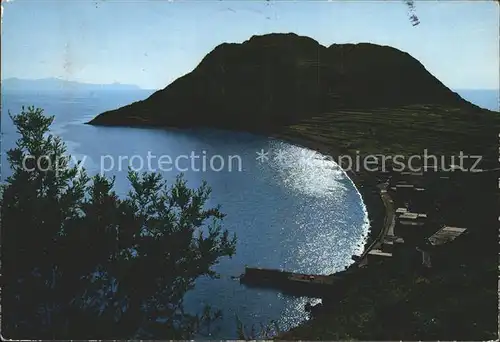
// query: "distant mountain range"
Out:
[56,84]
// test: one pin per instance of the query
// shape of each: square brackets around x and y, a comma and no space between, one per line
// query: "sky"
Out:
[150,43]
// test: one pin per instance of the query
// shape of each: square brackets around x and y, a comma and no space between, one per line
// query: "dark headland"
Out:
[277,79]
[364,99]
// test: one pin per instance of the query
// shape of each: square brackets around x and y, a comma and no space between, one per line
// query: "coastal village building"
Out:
[379,253]
[409,196]
[409,173]
[401,210]
[445,235]
[411,219]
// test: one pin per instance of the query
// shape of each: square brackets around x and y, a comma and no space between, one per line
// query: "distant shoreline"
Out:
[57,84]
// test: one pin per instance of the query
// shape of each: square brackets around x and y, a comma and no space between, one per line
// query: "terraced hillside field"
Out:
[405,130]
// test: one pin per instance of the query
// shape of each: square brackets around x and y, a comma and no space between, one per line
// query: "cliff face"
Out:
[276,79]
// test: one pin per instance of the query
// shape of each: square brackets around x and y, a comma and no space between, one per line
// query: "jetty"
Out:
[317,285]
[311,285]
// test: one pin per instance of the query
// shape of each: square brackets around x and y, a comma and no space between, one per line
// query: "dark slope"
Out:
[276,79]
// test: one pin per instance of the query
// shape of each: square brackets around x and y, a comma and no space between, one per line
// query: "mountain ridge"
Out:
[273,80]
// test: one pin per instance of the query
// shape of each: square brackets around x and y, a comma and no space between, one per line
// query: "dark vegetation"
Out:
[78,262]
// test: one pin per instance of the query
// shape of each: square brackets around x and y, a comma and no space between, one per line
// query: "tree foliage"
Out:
[80,262]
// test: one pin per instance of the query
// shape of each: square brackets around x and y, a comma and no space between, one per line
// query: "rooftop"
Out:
[411,223]
[378,252]
[445,235]
[407,215]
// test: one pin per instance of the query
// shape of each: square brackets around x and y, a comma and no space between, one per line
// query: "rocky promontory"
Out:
[277,79]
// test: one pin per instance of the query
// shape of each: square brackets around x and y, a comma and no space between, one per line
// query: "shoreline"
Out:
[365,183]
